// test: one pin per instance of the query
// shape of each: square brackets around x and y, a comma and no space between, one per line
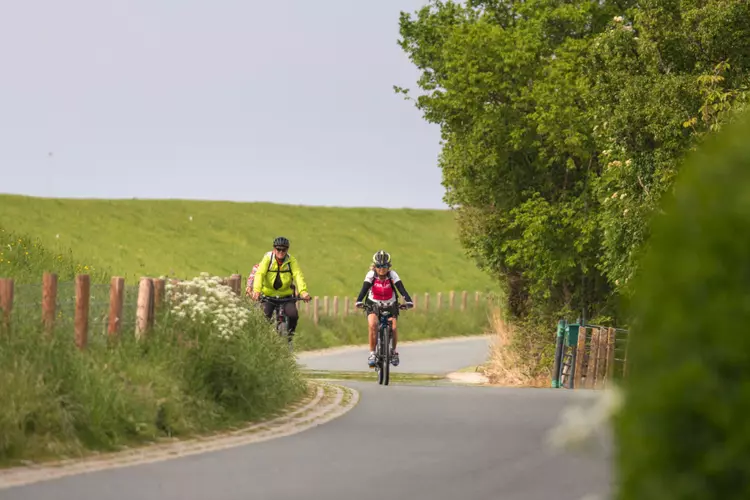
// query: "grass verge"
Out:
[183,379]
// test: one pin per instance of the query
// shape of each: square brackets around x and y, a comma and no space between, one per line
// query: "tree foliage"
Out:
[563,124]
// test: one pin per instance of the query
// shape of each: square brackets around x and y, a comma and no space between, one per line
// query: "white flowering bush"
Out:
[206,301]
[229,351]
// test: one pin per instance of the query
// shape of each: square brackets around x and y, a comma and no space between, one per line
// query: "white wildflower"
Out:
[205,299]
[619,19]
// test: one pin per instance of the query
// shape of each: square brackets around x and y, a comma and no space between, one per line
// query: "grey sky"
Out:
[288,101]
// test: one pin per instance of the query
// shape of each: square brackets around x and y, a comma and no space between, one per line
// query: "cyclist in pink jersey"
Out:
[381,283]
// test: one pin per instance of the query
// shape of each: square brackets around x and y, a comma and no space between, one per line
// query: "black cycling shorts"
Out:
[369,309]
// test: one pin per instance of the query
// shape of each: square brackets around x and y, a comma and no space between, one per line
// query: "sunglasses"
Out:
[281,249]
[381,266]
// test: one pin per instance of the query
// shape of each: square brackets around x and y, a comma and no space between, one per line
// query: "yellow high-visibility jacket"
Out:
[276,281]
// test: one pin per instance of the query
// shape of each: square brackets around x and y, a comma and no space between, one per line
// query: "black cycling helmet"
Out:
[381,258]
[281,242]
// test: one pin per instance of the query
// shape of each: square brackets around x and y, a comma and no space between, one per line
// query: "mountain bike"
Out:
[384,342]
[281,319]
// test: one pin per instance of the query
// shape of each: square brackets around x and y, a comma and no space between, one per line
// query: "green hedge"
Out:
[683,432]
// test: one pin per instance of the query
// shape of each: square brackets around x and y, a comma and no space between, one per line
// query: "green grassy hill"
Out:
[334,245]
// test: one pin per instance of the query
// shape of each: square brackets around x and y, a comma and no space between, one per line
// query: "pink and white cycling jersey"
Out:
[382,290]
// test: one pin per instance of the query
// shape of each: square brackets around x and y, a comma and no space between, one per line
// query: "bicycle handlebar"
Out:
[402,306]
[268,298]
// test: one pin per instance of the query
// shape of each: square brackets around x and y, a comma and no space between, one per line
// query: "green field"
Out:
[334,245]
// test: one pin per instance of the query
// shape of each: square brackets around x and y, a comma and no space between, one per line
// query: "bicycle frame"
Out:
[384,342]
[281,319]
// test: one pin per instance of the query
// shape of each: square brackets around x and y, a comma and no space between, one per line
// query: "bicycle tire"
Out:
[288,333]
[379,354]
[387,356]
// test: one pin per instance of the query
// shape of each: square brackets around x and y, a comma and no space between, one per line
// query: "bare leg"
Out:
[372,323]
[394,324]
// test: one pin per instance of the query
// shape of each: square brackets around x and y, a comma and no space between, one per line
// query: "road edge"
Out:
[329,401]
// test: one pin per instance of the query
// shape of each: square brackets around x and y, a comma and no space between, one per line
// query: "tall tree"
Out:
[563,123]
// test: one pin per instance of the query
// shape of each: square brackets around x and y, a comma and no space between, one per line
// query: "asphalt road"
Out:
[438,357]
[399,442]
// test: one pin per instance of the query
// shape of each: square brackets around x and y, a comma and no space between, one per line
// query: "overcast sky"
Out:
[289,101]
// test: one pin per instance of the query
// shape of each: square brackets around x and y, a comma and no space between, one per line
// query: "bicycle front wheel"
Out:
[385,368]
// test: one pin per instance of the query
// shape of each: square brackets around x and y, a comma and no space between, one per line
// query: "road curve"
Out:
[399,442]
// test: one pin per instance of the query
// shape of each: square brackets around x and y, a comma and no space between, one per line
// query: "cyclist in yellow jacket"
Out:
[274,277]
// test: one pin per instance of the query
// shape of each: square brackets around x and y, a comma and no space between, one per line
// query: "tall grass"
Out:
[180,380]
[25,258]
[183,238]
[519,355]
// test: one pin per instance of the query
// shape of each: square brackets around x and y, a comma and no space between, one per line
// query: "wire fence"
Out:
[28,304]
[54,304]
[590,356]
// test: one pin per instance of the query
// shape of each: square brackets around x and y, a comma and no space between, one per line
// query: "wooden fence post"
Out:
[439,304]
[415,300]
[611,333]
[427,301]
[346,306]
[151,305]
[315,310]
[451,300]
[464,299]
[335,306]
[159,286]
[325,305]
[236,283]
[580,358]
[476,299]
[601,361]
[144,307]
[83,299]
[116,296]
[6,300]
[591,368]
[49,301]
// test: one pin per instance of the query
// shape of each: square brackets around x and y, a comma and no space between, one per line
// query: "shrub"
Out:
[683,431]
